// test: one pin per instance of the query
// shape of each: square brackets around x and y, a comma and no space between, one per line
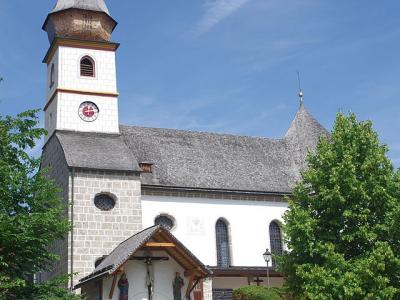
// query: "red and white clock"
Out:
[88,111]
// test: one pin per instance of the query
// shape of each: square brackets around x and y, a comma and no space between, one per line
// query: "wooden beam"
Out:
[110,296]
[154,244]
[191,272]
[190,285]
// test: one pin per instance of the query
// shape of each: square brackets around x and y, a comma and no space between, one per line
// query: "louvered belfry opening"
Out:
[223,247]
[87,67]
[275,237]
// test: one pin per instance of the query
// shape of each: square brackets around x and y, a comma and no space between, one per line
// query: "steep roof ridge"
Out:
[303,120]
[302,138]
[94,5]
[200,132]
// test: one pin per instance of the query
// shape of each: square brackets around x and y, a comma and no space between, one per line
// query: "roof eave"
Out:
[228,191]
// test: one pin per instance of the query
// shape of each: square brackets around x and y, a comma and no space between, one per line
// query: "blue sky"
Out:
[229,65]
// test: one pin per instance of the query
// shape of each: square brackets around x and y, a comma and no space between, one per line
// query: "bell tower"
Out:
[82,85]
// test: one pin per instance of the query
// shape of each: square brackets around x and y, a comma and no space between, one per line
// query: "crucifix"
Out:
[258,280]
[148,260]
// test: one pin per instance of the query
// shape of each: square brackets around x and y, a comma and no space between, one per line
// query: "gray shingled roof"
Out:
[96,151]
[127,248]
[200,160]
[95,5]
[221,161]
[303,136]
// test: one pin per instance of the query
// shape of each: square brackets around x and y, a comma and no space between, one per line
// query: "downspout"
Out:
[72,226]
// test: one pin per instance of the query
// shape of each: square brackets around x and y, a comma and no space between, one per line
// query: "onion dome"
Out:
[80,19]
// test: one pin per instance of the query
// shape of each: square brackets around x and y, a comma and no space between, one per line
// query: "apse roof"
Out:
[94,5]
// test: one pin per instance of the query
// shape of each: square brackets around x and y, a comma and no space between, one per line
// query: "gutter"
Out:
[223,191]
[72,225]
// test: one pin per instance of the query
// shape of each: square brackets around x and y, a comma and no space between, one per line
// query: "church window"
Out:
[104,202]
[165,221]
[87,67]
[223,247]
[52,76]
[275,237]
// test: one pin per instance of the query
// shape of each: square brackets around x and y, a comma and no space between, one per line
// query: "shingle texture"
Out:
[125,250]
[96,151]
[95,5]
[221,161]
[200,160]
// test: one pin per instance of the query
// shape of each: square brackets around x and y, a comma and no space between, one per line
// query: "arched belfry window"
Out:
[275,237]
[223,247]
[87,67]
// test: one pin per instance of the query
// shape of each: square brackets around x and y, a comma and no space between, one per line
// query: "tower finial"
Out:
[301,94]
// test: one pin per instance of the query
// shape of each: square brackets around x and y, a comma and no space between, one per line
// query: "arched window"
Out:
[165,221]
[51,76]
[222,237]
[87,67]
[275,237]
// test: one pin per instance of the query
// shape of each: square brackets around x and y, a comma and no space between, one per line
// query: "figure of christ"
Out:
[178,284]
[123,286]
[150,278]
[150,272]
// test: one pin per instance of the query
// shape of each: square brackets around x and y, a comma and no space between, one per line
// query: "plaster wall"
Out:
[105,79]
[62,106]
[237,282]
[164,274]
[195,220]
[54,61]
[67,117]
[54,162]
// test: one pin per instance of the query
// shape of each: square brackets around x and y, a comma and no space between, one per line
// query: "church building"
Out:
[157,214]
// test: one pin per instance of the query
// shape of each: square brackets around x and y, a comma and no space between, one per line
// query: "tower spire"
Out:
[301,94]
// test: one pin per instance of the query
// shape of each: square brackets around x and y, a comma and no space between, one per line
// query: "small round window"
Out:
[104,202]
[165,221]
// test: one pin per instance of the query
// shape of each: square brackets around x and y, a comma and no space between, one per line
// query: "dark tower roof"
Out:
[87,20]
[94,5]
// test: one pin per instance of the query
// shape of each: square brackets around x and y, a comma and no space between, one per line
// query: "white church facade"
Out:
[156,212]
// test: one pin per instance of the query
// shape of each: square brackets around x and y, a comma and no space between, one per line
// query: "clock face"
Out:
[88,111]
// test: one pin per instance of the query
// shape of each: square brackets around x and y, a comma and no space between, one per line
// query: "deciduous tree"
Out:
[342,226]
[32,216]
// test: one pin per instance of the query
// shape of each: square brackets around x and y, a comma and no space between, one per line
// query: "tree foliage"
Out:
[342,226]
[32,216]
[253,292]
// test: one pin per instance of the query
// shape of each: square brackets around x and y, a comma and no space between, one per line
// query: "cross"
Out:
[148,260]
[258,280]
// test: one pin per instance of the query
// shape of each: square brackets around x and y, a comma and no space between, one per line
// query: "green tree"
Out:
[253,292]
[32,216]
[342,226]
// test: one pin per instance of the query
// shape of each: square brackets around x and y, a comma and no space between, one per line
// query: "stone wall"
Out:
[96,232]
[54,162]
